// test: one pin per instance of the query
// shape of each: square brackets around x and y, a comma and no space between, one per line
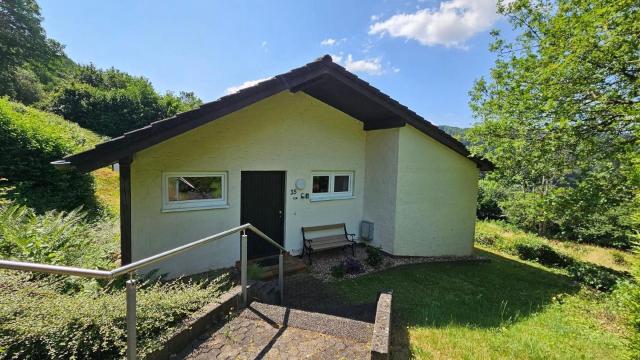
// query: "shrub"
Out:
[255,272]
[374,256]
[598,277]
[352,266]
[111,102]
[337,271]
[56,237]
[618,258]
[628,295]
[39,323]
[489,194]
[59,238]
[543,254]
[507,238]
[30,139]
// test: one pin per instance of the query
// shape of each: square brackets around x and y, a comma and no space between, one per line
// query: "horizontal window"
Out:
[332,185]
[201,190]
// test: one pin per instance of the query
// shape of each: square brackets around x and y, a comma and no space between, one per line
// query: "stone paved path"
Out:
[303,291]
[272,332]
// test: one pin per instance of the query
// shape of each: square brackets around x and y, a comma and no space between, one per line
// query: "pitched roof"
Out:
[323,79]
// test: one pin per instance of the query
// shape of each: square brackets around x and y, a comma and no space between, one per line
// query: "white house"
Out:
[313,146]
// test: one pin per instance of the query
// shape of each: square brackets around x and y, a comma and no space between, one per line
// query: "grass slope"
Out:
[504,309]
[108,189]
[609,257]
[36,138]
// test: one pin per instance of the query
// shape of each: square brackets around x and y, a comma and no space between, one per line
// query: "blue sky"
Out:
[425,54]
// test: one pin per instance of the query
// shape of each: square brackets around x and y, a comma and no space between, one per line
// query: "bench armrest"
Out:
[352,236]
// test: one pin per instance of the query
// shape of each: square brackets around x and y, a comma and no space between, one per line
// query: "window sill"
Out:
[194,208]
[329,198]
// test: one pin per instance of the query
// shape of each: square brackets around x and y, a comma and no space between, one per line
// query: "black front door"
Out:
[262,205]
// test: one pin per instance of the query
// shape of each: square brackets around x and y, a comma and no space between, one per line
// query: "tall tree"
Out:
[111,102]
[27,56]
[560,114]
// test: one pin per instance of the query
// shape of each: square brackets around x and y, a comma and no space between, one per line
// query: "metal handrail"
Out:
[131,268]
[123,270]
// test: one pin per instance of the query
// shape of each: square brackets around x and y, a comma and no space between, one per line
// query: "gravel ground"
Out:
[324,261]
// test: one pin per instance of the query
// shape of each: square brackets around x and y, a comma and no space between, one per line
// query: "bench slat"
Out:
[323,227]
[330,245]
[324,239]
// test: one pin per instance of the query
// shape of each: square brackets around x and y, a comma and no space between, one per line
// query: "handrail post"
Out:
[281,276]
[243,266]
[131,318]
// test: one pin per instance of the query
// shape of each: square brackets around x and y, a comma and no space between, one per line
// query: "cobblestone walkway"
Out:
[272,332]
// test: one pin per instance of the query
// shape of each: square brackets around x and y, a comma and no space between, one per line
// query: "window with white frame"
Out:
[194,190]
[332,185]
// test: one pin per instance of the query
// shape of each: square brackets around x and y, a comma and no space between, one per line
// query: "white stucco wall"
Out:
[289,132]
[436,198]
[380,185]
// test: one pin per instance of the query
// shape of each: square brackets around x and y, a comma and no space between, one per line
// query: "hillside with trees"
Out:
[35,70]
[560,118]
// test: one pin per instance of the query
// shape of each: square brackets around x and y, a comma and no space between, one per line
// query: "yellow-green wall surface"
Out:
[420,194]
[436,198]
[381,180]
[290,132]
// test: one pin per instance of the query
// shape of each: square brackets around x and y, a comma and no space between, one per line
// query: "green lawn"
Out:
[504,309]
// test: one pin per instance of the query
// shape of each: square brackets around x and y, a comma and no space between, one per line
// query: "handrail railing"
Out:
[123,270]
[132,267]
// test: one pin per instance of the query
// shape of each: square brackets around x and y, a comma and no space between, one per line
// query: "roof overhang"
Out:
[321,79]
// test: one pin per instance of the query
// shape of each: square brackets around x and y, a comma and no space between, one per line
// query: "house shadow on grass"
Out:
[484,295]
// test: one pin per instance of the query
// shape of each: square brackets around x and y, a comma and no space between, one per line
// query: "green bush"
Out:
[59,238]
[338,271]
[543,254]
[628,295]
[507,238]
[29,140]
[489,195]
[618,259]
[255,272]
[56,237]
[111,102]
[598,277]
[36,322]
[374,256]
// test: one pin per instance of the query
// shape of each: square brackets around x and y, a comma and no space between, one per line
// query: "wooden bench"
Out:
[343,239]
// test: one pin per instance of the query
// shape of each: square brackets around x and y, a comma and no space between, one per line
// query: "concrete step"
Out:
[269,267]
[359,331]
[264,331]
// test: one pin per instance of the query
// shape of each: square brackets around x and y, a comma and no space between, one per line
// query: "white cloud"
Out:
[332,41]
[375,17]
[265,46]
[244,85]
[368,66]
[328,42]
[450,25]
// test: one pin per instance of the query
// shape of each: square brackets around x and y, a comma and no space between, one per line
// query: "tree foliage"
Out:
[35,70]
[28,59]
[559,116]
[111,102]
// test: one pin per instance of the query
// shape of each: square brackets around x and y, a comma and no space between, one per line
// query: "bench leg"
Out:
[353,250]
[309,251]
